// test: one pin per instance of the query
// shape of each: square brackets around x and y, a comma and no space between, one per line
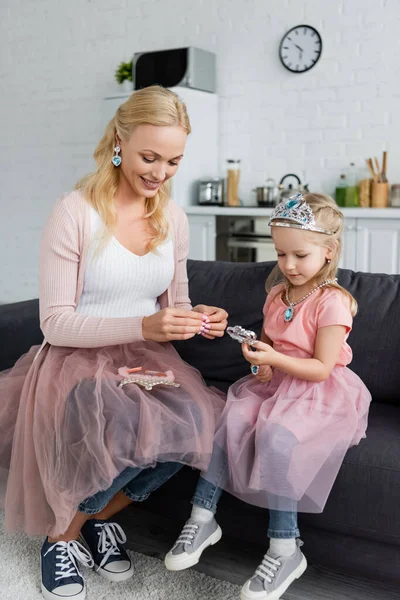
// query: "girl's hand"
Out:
[264,354]
[173,324]
[265,373]
[217,320]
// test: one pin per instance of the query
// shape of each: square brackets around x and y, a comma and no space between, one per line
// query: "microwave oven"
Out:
[185,67]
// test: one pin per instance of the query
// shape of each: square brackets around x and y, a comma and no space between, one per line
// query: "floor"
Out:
[152,536]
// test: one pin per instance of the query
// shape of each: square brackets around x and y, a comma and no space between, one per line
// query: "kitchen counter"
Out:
[255,211]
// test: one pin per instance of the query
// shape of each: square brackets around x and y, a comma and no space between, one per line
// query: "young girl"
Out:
[78,443]
[286,427]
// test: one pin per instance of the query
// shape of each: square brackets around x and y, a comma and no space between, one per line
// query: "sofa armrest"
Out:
[19,330]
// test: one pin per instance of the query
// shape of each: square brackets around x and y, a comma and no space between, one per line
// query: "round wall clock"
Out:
[300,48]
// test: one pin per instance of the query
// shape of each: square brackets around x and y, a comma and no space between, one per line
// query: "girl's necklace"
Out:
[289,312]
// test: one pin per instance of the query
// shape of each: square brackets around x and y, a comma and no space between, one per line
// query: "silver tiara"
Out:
[295,213]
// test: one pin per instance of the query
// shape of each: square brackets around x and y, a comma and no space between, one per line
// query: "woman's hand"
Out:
[264,354]
[265,373]
[217,320]
[173,324]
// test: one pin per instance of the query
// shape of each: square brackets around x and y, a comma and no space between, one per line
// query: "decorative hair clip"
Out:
[147,379]
[244,336]
[295,213]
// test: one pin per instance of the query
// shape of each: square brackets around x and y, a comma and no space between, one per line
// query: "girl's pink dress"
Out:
[285,440]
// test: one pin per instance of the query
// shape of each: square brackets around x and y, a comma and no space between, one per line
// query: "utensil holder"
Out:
[379,195]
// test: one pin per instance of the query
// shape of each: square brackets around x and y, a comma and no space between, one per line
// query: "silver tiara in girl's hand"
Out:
[295,213]
[244,336]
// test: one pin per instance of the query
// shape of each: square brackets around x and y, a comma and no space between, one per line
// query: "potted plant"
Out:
[123,75]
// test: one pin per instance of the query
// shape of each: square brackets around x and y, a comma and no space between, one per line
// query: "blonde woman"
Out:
[287,426]
[79,446]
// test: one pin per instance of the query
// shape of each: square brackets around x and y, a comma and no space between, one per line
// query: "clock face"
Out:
[300,48]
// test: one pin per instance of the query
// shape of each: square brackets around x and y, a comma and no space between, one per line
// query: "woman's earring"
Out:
[328,260]
[116,159]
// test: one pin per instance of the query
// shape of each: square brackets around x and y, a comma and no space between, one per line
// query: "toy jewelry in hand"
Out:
[244,336]
[254,369]
[145,378]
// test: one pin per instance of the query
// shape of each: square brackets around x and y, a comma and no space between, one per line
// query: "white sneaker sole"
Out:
[179,562]
[247,594]
[50,596]
[115,577]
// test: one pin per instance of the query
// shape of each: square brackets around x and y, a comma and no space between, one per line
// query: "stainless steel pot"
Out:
[267,195]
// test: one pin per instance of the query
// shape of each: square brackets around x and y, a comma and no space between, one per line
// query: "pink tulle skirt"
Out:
[67,429]
[284,441]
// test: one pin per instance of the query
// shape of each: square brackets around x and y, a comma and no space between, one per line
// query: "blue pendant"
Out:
[116,161]
[288,314]
[254,369]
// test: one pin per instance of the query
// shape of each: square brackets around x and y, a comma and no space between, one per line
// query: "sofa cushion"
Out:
[361,502]
[19,330]
[375,339]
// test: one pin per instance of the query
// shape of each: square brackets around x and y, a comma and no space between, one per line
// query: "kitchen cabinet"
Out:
[349,249]
[378,249]
[371,243]
[202,237]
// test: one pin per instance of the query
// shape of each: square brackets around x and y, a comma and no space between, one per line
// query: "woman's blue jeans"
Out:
[134,482]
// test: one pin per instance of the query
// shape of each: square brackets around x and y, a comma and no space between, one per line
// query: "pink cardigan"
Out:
[63,255]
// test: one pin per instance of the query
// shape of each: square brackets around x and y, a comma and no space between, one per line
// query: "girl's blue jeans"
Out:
[282,524]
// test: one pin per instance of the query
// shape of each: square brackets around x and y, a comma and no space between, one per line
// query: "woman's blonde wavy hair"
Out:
[327,216]
[152,105]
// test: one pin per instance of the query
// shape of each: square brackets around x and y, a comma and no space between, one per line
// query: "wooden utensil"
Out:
[384,164]
[378,170]
[371,169]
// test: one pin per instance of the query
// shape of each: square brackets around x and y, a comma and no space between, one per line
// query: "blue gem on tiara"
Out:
[294,202]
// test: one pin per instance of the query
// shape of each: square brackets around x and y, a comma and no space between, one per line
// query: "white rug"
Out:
[20,577]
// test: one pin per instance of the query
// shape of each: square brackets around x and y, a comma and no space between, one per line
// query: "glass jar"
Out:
[395,195]
[232,183]
[340,192]
[351,196]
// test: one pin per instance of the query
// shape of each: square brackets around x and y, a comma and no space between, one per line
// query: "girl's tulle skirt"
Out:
[67,429]
[284,441]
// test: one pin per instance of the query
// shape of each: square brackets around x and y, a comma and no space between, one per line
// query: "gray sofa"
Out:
[359,530]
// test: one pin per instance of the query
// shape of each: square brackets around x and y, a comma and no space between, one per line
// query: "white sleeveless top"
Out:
[118,283]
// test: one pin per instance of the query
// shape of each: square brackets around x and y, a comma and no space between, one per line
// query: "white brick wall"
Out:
[57,61]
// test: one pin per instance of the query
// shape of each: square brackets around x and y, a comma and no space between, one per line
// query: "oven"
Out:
[244,239]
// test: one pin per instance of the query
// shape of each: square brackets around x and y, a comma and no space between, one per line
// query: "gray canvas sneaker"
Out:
[194,538]
[274,575]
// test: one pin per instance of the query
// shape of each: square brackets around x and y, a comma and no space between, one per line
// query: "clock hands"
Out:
[300,49]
